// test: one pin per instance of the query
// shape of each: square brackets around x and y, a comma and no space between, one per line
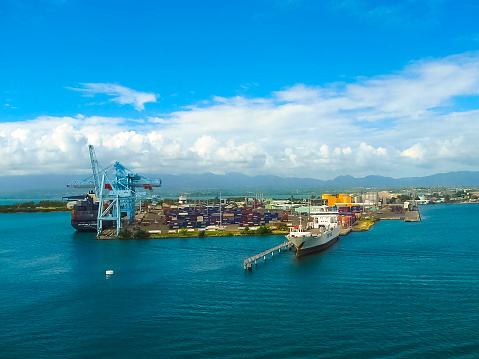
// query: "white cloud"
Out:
[204,146]
[121,94]
[414,152]
[397,125]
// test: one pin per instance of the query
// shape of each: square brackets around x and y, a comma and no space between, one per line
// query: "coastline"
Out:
[37,210]
[32,207]
[207,234]
[219,234]
[363,225]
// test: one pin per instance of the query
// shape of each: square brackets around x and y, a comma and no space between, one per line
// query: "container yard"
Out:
[168,219]
[234,217]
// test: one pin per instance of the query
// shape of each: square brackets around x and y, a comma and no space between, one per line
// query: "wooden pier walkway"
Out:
[248,262]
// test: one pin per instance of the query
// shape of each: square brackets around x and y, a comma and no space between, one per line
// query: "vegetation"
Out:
[31,207]
[141,235]
[365,223]
[263,230]
[125,234]
[282,227]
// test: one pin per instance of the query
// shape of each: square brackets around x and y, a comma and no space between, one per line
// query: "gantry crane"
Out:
[116,191]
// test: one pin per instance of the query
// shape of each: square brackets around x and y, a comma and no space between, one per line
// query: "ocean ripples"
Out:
[397,291]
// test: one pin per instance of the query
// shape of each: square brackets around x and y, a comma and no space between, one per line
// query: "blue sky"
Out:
[293,88]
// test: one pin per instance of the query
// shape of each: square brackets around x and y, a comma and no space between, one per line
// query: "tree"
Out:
[183,231]
[27,204]
[263,230]
[201,234]
[52,204]
[141,235]
[245,230]
[282,227]
[125,234]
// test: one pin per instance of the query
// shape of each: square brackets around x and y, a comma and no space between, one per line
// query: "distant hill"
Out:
[236,184]
[450,179]
[236,181]
[288,184]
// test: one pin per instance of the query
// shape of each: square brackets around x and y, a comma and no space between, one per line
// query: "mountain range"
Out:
[239,184]
[261,183]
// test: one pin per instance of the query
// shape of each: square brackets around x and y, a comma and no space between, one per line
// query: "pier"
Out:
[248,263]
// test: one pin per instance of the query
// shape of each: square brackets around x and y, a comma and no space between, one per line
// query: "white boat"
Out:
[317,235]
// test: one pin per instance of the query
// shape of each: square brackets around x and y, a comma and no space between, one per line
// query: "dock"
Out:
[248,262]
[413,216]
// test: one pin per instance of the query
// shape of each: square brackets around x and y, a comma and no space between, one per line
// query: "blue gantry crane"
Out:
[117,189]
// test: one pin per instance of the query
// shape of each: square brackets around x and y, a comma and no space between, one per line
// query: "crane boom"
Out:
[95,168]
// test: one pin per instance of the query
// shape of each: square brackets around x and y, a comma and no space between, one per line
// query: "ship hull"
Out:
[84,216]
[314,243]
[311,250]
[84,226]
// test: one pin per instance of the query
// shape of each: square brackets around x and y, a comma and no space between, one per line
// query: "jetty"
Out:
[248,262]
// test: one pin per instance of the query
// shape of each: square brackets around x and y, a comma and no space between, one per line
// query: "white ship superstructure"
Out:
[316,235]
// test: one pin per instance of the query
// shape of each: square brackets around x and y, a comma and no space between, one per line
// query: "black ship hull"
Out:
[84,226]
[84,216]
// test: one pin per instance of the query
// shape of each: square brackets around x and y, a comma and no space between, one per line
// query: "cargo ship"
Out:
[85,213]
[316,236]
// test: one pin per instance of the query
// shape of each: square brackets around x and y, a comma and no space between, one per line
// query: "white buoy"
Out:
[108,272]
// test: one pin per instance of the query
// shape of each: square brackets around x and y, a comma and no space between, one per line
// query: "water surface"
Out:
[399,290]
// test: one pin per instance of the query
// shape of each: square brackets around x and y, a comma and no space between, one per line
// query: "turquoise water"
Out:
[401,290]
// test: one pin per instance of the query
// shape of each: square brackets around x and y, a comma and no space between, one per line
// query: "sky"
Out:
[294,88]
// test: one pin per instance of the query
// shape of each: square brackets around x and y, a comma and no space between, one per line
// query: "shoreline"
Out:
[46,210]
[208,234]
[227,234]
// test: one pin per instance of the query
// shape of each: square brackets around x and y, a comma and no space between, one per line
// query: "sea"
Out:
[400,290]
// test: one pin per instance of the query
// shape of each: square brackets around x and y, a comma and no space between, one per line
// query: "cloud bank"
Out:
[420,120]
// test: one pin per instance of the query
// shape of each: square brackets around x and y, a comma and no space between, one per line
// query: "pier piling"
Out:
[248,262]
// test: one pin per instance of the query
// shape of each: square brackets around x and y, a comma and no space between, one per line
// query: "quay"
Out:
[248,262]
